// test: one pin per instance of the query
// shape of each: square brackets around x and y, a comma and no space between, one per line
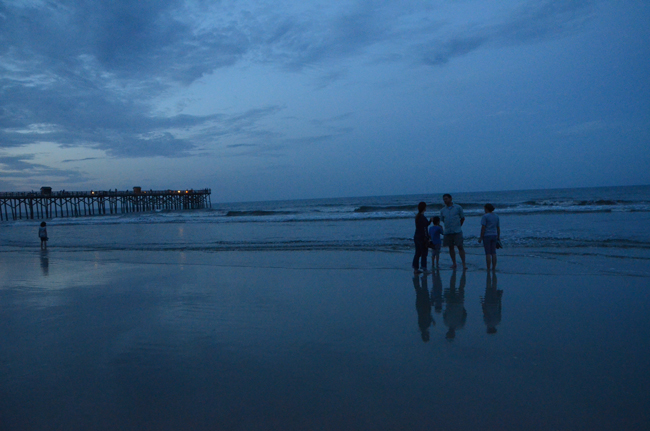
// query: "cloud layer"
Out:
[90,69]
[120,80]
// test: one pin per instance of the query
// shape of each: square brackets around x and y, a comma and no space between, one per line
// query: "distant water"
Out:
[611,217]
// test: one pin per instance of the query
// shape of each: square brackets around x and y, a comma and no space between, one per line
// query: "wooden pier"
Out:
[47,204]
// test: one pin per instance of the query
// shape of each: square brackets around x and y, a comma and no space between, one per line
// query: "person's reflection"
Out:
[436,292]
[491,304]
[423,306]
[45,262]
[455,314]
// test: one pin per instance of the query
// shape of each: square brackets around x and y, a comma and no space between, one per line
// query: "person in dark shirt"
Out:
[421,239]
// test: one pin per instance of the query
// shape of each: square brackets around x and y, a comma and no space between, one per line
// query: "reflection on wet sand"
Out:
[423,306]
[452,299]
[491,304]
[45,262]
[436,292]
[455,314]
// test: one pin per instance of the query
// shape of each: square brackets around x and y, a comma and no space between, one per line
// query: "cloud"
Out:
[91,71]
[20,166]
[241,145]
[298,42]
[85,159]
[535,21]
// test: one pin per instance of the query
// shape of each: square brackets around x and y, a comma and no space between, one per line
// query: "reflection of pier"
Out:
[47,204]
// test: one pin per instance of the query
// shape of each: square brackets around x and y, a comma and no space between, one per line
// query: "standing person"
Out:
[490,234]
[434,234]
[42,234]
[453,217]
[421,239]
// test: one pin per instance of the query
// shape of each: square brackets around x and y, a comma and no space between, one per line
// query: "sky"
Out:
[293,99]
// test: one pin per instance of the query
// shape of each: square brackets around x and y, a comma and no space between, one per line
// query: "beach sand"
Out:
[170,340]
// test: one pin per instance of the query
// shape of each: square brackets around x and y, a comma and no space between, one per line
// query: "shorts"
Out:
[435,249]
[490,244]
[452,239]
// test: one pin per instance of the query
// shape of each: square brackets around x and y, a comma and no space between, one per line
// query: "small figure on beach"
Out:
[491,304]
[490,235]
[453,217]
[423,306]
[435,243]
[421,239]
[42,234]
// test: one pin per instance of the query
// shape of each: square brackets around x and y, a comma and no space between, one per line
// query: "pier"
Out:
[47,204]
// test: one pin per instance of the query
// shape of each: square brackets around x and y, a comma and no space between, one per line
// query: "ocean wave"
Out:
[570,203]
[257,213]
[309,216]
[398,208]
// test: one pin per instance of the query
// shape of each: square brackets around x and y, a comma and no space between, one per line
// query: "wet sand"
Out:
[320,340]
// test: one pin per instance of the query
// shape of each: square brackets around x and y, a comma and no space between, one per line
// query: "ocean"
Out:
[615,219]
[306,314]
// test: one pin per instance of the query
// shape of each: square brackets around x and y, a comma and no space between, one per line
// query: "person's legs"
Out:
[457,239]
[416,258]
[424,256]
[452,254]
[490,246]
[461,252]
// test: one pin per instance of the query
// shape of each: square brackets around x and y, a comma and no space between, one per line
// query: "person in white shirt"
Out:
[490,234]
[453,217]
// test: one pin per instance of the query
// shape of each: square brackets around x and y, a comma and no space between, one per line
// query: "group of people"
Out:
[452,216]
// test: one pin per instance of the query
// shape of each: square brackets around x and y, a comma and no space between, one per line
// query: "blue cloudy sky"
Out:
[304,99]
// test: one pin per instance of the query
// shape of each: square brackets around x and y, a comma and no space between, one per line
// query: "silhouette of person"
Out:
[423,306]
[455,314]
[42,234]
[436,292]
[491,304]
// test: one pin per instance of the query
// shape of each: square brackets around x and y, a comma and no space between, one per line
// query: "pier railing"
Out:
[45,205]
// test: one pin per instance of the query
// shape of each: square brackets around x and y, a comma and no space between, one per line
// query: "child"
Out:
[42,234]
[434,233]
